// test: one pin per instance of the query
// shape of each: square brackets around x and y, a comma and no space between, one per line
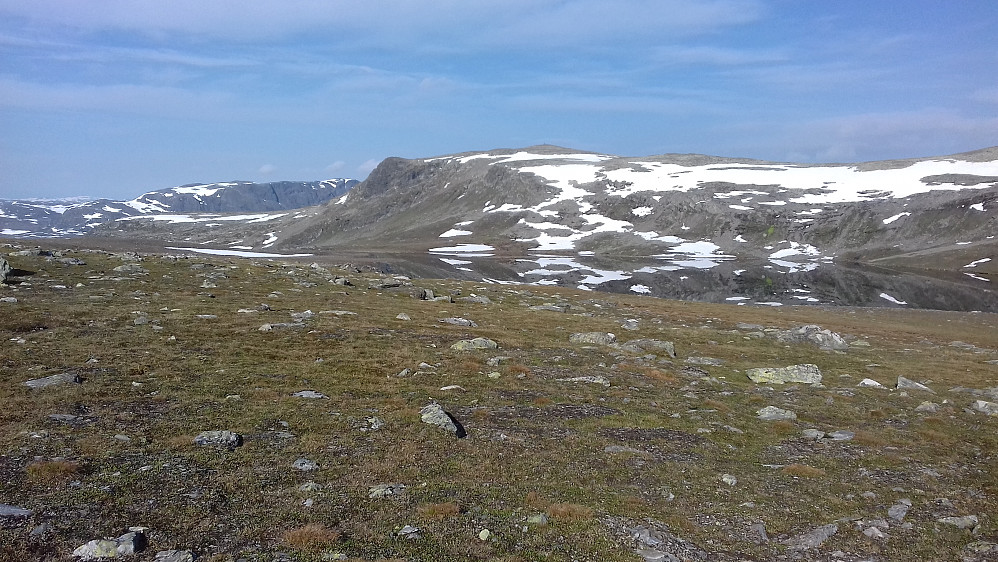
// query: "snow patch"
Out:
[238,253]
[889,220]
[975,263]
[887,297]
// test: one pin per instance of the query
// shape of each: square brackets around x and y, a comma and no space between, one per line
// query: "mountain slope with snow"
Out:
[689,207]
[187,203]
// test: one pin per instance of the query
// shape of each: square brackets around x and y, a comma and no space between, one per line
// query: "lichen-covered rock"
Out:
[825,339]
[385,490]
[126,545]
[908,384]
[599,338]
[51,380]
[433,414]
[813,538]
[5,270]
[985,407]
[807,373]
[772,413]
[473,344]
[649,346]
[226,439]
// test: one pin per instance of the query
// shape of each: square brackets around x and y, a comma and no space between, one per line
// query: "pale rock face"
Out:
[772,413]
[599,338]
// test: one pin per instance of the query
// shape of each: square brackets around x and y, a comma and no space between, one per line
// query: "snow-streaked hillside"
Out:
[206,203]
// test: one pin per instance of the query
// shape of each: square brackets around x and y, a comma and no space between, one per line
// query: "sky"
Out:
[119,97]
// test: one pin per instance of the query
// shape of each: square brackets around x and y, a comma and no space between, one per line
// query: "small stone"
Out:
[433,414]
[622,449]
[908,384]
[305,465]
[459,322]
[772,413]
[409,532]
[841,435]
[729,479]
[870,383]
[309,394]
[873,533]
[899,510]
[813,538]
[813,434]
[385,490]
[403,316]
[494,375]
[485,534]
[869,495]
[8,300]
[227,439]
[538,519]
[310,487]
[927,407]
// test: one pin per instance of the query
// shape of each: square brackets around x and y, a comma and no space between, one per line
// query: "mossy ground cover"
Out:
[535,444]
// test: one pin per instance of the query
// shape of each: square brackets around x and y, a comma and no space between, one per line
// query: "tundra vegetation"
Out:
[595,449]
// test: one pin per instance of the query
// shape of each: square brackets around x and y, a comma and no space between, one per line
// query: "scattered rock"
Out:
[825,339]
[870,383]
[649,346]
[403,316]
[750,327]
[13,511]
[813,538]
[475,299]
[385,490]
[280,326]
[964,522]
[927,407]
[305,465]
[52,380]
[772,413]
[338,312]
[433,414]
[813,434]
[841,435]
[5,270]
[132,268]
[899,510]
[873,533]
[128,544]
[908,384]
[537,519]
[630,324]
[622,449]
[595,380]
[227,439]
[459,322]
[8,300]
[795,373]
[599,338]
[729,479]
[985,407]
[485,534]
[709,361]
[309,394]
[477,343]
[409,532]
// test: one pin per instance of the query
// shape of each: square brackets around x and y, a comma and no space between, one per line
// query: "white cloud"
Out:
[267,169]
[367,166]
[336,166]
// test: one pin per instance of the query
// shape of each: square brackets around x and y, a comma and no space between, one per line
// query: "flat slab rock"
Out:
[807,373]
[52,380]
[126,545]
[599,338]
[772,413]
[13,511]
[473,344]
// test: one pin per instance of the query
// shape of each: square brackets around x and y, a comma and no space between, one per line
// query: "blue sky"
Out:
[118,97]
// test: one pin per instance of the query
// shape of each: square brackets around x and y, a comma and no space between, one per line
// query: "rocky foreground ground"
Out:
[176,408]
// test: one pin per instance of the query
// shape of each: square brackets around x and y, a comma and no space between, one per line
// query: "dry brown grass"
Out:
[803,471]
[48,472]
[869,439]
[439,510]
[311,537]
[518,369]
[569,512]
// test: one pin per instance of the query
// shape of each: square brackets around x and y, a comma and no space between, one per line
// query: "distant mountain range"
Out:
[79,216]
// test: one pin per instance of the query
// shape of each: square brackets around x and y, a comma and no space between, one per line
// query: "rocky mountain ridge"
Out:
[78,216]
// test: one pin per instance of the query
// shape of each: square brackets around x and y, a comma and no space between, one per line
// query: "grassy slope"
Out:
[535,444]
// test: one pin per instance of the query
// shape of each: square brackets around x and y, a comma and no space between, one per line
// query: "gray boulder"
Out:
[52,380]
[459,322]
[385,490]
[433,414]
[964,522]
[772,413]
[813,538]
[13,511]
[226,439]
[128,544]
[649,346]
[825,339]
[908,384]
[599,338]
[795,373]
[174,556]
[132,268]
[985,407]
[473,344]
[5,270]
